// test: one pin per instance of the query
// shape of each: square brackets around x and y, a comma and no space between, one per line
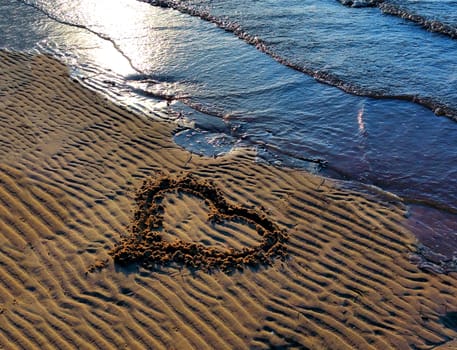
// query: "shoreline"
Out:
[71,163]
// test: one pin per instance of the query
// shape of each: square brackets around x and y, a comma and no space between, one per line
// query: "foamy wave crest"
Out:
[360,3]
[432,25]
[388,8]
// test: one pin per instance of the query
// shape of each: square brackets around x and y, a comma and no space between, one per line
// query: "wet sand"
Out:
[71,166]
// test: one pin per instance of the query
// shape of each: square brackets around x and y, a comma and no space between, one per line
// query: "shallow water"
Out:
[235,94]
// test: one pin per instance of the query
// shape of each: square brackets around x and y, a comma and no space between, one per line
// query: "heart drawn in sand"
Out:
[147,247]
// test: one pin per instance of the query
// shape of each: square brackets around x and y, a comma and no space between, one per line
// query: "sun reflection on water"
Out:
[360,121]
[129,27]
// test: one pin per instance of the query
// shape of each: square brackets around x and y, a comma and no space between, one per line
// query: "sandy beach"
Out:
[71,165]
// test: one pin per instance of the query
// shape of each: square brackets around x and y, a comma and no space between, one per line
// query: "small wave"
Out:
[361,3]
[439,108]
[429,24]
[387,8]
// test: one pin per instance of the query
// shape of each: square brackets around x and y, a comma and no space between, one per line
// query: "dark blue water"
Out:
[351,93]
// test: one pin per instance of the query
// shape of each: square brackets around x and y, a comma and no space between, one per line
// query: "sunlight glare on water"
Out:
[130,26]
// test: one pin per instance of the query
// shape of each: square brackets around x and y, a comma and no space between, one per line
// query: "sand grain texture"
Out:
[70,163]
